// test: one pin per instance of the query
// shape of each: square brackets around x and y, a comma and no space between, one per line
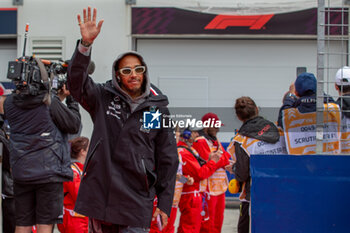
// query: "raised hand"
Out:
[88,29]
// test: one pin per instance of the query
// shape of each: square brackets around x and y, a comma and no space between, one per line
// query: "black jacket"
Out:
[6,176]
[252,128]
[66,118]
[126,165]
[39,150]
[344,104]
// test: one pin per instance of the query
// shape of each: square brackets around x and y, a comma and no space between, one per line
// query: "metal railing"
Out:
[332,54]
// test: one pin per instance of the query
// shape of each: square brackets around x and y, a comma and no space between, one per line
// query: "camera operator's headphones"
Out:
[186,134]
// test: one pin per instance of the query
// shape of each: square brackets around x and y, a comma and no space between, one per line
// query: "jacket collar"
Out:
[154,97]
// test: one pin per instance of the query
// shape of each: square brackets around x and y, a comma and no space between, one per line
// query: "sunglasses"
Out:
[137,69]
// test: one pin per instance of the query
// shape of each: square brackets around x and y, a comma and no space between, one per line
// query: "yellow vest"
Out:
[345,135]
[254,146]
[300,130]
[217,183]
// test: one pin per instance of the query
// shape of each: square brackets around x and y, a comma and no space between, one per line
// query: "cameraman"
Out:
[39,151]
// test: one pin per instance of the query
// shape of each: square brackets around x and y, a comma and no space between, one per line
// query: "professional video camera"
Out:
[28,73]
[58,74]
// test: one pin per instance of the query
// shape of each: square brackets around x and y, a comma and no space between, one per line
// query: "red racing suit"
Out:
[191,201]
[213,189]
[72,221]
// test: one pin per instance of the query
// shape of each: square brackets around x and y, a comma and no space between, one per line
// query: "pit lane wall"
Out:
[308,194]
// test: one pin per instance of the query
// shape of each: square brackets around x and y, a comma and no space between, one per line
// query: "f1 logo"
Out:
[254,22]
[151,120]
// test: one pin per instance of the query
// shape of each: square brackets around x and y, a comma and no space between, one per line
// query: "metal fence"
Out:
[330,37]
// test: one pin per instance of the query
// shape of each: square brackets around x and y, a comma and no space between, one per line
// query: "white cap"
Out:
[343,76]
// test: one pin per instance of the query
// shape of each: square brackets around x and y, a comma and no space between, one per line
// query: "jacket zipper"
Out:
[145,173]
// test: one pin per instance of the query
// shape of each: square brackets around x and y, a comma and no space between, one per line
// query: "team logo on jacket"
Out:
[114,110]
[151,120]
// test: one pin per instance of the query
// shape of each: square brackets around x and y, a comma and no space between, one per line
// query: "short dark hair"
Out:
[77,144]
[245,108]
[344,88]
